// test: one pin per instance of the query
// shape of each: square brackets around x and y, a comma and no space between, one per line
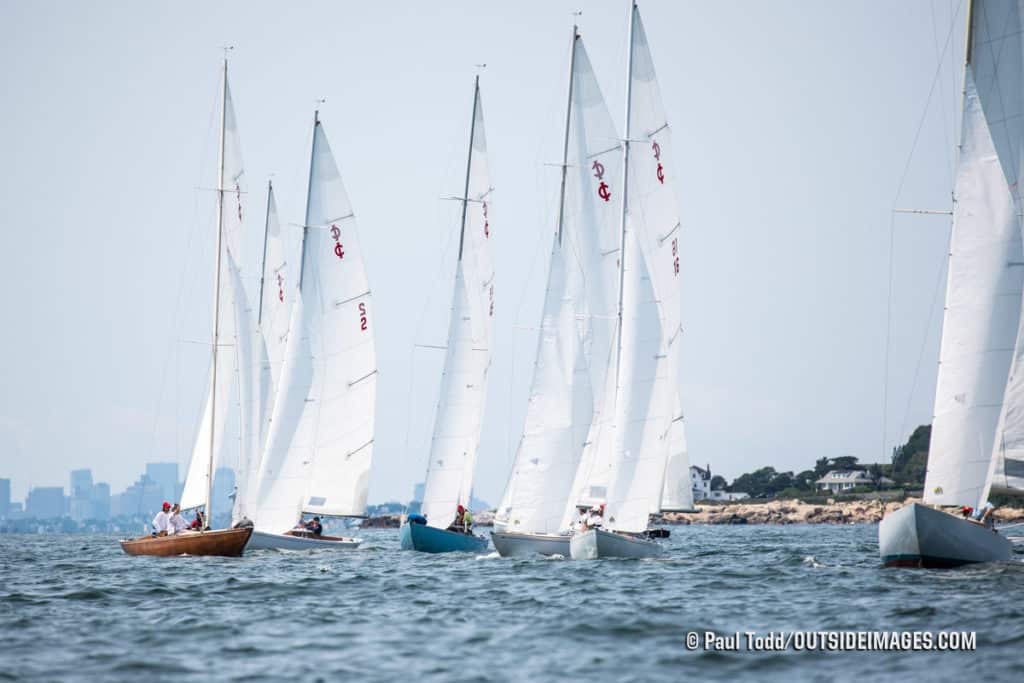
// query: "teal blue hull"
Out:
[428,539]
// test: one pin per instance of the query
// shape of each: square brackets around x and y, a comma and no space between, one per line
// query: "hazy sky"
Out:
[794,121]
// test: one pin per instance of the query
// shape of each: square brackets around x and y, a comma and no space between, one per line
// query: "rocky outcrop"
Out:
[797,512]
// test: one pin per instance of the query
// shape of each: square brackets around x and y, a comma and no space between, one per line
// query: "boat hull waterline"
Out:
[428,539]
[920,536]
[264,540]
[597,543]
[511,544]
[223,542]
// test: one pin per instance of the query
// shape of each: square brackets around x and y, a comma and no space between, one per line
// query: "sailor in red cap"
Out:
[162,520]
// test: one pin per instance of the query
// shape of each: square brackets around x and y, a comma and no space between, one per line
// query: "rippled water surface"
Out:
[76,608]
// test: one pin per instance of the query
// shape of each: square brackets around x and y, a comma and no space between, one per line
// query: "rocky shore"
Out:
[771,512]
[797,512]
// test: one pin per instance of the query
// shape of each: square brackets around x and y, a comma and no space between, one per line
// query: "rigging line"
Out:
[924,113]
[924,340]
[178,299]
[892,232]
[947,145]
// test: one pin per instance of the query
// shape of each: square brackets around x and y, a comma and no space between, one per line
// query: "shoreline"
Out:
[793,511]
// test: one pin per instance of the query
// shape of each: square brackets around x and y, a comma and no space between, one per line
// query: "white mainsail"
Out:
[320,443]
[219,403]
[983,300]
[459,418]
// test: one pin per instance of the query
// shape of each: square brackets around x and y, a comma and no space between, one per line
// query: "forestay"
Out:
[983,300]
[459,416]
[320,443]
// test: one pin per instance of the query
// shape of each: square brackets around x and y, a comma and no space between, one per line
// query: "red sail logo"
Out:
[657,157]
[602,190]
[280,288]
[339,250]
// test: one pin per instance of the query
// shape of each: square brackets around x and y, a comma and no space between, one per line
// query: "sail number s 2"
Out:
[487,224]
[675,254]
[339,248]
[363,324]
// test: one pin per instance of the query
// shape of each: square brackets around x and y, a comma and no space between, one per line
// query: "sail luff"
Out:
[469,165]
[263,258]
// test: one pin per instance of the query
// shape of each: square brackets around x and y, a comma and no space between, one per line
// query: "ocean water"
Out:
[75,608]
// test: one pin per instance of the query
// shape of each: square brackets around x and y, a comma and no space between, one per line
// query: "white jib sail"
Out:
[642,414]
[677,493]
[983,300]
[459,417]
[557,416]
[320,443]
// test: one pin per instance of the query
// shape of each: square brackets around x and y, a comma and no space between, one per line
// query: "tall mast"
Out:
[263,262]
[216,289]
[309,192]
[469,162]
[565,145]
[625,195]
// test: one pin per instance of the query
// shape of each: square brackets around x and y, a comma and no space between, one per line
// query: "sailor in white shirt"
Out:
[177,523]
[162,520]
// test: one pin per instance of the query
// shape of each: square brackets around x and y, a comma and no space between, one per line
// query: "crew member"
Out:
[162,520]
[314,526]
[176,524]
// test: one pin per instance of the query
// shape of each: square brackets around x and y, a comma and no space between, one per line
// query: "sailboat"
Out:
[577,331]
[625,467]
[978,427]
[458,422]
[319,445]
[210,441]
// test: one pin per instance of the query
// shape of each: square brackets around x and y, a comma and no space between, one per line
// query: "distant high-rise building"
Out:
[100,502]
[81,495]
[46,502]
[5,498]
[141,498]
[165,476]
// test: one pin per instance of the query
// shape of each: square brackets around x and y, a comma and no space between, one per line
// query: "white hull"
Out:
[511,544]
[597,543]
[920,536]
[266,540]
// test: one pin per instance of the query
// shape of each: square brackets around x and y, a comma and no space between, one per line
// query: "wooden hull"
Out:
[598,543]
[920,536]
[224,542]
[511,544]
[267,540]
[428,539]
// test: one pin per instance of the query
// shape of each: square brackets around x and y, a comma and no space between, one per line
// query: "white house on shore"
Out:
[838,481]
[700,481]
